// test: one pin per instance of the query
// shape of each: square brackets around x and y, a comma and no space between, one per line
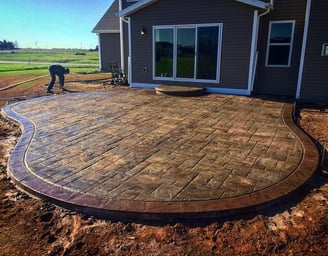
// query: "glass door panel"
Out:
[164,52]
[185,52]
[207,57]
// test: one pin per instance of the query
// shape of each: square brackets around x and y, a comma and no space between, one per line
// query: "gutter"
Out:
[135,7]
[108,31]
[144,3]
[254,3]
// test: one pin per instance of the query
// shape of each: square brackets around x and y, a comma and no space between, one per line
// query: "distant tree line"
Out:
[7,45]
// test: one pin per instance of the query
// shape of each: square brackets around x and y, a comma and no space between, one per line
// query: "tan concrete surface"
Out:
[137,153]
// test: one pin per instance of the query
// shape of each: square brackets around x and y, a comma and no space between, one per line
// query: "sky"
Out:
[50,24]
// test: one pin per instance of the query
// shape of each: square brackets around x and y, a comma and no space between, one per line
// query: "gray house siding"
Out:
[237,20]
[280,80]
[315,72]
[109,50]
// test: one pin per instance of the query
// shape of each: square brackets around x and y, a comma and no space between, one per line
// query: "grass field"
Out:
[61,56]
[69,58]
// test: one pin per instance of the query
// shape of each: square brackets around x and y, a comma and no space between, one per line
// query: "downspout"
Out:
[268,10]
[99,52]
[127,21]
[254,67]
[121,37]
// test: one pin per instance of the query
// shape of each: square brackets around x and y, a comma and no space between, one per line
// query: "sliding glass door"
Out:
[187,53]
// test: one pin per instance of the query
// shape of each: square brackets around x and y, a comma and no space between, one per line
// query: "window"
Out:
[324,50]
[280,43]
[187,53]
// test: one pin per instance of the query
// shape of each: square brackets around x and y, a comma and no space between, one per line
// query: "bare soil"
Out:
[30,226]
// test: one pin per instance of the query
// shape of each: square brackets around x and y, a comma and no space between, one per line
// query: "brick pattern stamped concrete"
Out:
[140,154]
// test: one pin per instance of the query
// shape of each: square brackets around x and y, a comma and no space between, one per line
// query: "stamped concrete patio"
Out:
[134,154]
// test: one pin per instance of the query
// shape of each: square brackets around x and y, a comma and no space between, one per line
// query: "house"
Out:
[108,30]
[244,47]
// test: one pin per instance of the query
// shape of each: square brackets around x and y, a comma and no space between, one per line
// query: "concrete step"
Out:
[183,91]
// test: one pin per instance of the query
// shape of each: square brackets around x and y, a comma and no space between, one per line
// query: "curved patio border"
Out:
[127,209]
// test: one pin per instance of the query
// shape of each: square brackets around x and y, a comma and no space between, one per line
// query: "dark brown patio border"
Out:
[124,209]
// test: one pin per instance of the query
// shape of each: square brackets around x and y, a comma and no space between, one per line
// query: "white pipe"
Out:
[268,10]
[121,37]
[130,53]
[254,65]
[99,52]
[127,21]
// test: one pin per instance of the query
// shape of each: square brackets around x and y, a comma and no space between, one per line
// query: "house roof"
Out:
[144,3]
[110,22]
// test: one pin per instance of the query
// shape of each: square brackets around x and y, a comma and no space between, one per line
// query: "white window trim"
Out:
[196,26]
[291,44]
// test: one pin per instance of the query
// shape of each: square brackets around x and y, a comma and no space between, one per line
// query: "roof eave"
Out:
[104,31]
[144,3]
[254,3]
[135,7]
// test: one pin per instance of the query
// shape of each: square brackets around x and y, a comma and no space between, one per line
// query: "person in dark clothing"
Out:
[60,71]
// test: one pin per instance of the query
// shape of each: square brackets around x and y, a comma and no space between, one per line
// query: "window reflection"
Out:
[164,52]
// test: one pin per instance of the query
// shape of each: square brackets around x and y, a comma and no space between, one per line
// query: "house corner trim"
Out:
[305,35]
[253,57]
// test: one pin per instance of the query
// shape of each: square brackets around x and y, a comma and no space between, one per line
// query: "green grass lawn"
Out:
[51,56]
[59,56]
[21,69]
[28,69]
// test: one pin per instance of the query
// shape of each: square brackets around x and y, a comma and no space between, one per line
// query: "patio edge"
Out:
[125,209]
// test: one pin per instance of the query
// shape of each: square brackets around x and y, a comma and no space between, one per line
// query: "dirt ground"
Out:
[30,226]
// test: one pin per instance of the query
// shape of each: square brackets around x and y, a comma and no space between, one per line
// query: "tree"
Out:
[6,45]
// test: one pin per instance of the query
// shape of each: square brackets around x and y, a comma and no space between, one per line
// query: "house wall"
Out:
[237,22]
[280,80]
[315,72]
[110,50]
